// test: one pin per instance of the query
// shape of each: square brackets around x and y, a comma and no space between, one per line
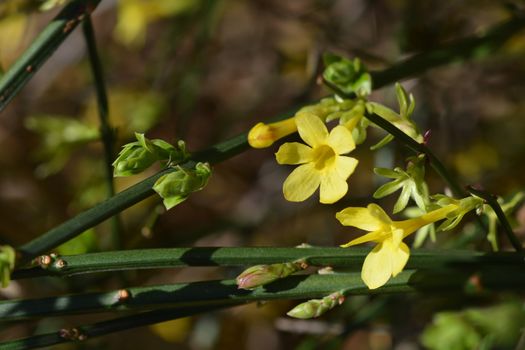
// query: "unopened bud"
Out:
[264,135]
[260,275]
[133,159]
[176,186]
[316,307]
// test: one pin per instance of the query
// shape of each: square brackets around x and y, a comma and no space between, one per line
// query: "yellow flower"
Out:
[321,162]
[390,255]
[264,135]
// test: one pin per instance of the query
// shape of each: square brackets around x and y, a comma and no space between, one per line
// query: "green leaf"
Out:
[401,99]
[386,172]
[382,111]
[402,201]
[388,188]
[387,139]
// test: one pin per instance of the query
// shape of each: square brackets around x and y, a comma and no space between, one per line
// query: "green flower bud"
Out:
[350,76]
[176,186]
[316,307]
[260,275]
[133,159]
[7,264]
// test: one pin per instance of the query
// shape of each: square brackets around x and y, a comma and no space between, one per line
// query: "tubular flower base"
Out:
[264,135]
[390,255]
[322,163]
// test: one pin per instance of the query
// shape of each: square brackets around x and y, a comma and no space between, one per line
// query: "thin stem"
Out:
[475,46]
[120,201]
[107,133]
[493,202]
[42,47]
[236,145]
[221,292]
[210,256]
[107,327]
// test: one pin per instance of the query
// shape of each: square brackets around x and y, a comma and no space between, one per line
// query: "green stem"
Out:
[293,287]
[119,202]
[107,327]
[493,202]
[471,47]
[234,146]
[42,47]
[210,256]
[107,133]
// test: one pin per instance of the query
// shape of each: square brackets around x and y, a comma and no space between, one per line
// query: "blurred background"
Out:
[204,71]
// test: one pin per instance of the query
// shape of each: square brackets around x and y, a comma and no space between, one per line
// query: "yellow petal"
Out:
[377,267]
[301,183]
[375,236]
[383,262]
[360,218]
[293,153]
[311,128]
[400,258]
[377,212]
[438,214]
[411,225]
[333,187]
[341,140]
[345,166]
[397,236]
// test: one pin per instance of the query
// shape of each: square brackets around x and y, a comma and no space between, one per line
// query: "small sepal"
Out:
[464,206]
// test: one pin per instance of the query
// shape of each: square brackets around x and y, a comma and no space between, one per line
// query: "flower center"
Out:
[324,156]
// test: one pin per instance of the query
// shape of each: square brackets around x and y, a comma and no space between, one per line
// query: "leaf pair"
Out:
[411,182]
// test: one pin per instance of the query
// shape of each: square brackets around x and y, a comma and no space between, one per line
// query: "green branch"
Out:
[234,146]
[493,202]
[98,329]
[210,256]
[463,49]
[106,132]
[119,202]
[42,47]
[293,287]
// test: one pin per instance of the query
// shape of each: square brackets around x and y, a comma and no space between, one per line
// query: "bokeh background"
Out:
[204,71]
